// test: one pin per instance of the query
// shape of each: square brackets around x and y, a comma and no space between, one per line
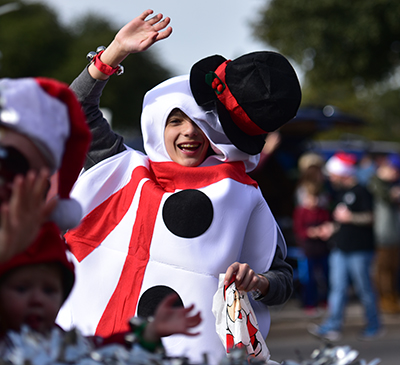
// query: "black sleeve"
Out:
[105,142]
[280,277]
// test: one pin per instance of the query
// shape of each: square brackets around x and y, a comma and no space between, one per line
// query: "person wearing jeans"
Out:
[354,265]
[352,234]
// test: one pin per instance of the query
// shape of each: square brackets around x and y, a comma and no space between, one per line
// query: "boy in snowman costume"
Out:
[174,219]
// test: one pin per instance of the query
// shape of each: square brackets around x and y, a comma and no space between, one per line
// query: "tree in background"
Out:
[33,42]
[349,52]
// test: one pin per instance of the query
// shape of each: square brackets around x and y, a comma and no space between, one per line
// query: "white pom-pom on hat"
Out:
[67,214]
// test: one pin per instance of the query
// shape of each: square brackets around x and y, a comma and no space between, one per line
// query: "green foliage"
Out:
[335,40]
[349,52]
[34,43]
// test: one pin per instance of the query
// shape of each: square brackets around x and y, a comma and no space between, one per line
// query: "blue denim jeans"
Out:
[312,291]
[356,266]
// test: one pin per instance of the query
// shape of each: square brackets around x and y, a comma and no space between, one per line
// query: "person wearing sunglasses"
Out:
[42,130]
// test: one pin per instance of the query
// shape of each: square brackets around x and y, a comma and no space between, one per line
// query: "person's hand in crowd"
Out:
[272,142]
[136,36]
[342,214]
[246,279]
[313,232]
[326,230]
[169,320]
[24,213]
[395,193]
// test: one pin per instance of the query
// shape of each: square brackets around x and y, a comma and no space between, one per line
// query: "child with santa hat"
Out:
[42,130]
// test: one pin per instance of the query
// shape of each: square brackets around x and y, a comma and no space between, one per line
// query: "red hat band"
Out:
[225,96]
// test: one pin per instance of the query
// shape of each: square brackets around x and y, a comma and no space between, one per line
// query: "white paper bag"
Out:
[236,323]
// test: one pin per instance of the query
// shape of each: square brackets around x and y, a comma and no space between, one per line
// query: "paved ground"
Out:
[289,338]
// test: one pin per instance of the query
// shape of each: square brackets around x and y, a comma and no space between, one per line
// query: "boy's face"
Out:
[185,142]
[31,295]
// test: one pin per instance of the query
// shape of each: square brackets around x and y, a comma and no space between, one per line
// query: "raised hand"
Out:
[139,34]
[136,36]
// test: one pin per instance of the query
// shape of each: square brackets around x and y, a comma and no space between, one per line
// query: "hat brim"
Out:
[252,145]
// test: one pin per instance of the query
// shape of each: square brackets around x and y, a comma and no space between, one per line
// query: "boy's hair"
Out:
[49,247]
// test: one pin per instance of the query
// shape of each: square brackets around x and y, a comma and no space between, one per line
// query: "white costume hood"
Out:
[175,93]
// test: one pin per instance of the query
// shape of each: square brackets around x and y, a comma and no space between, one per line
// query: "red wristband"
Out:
[104,68]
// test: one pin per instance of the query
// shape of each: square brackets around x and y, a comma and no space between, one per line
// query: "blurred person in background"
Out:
[310,167]
[351,258]
[308,218]
[366,168]
[385,186]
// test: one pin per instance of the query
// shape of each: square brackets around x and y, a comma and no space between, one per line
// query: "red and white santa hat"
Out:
[48,247]
[49,114]
[341,164]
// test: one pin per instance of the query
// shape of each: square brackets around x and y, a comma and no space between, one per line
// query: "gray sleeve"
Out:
[280,277]
[105,142]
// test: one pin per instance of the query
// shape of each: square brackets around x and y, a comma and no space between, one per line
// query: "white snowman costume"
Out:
[149,222]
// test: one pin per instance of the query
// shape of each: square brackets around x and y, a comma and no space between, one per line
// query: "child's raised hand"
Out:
[24,213]
[169,320]
[139,34]
[136,36]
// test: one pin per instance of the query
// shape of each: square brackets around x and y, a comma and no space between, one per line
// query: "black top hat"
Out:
[254,94]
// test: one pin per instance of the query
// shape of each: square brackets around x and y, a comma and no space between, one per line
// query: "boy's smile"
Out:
[185,142]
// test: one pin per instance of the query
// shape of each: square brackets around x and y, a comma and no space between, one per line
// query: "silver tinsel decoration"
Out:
[63,348]
[329,355]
